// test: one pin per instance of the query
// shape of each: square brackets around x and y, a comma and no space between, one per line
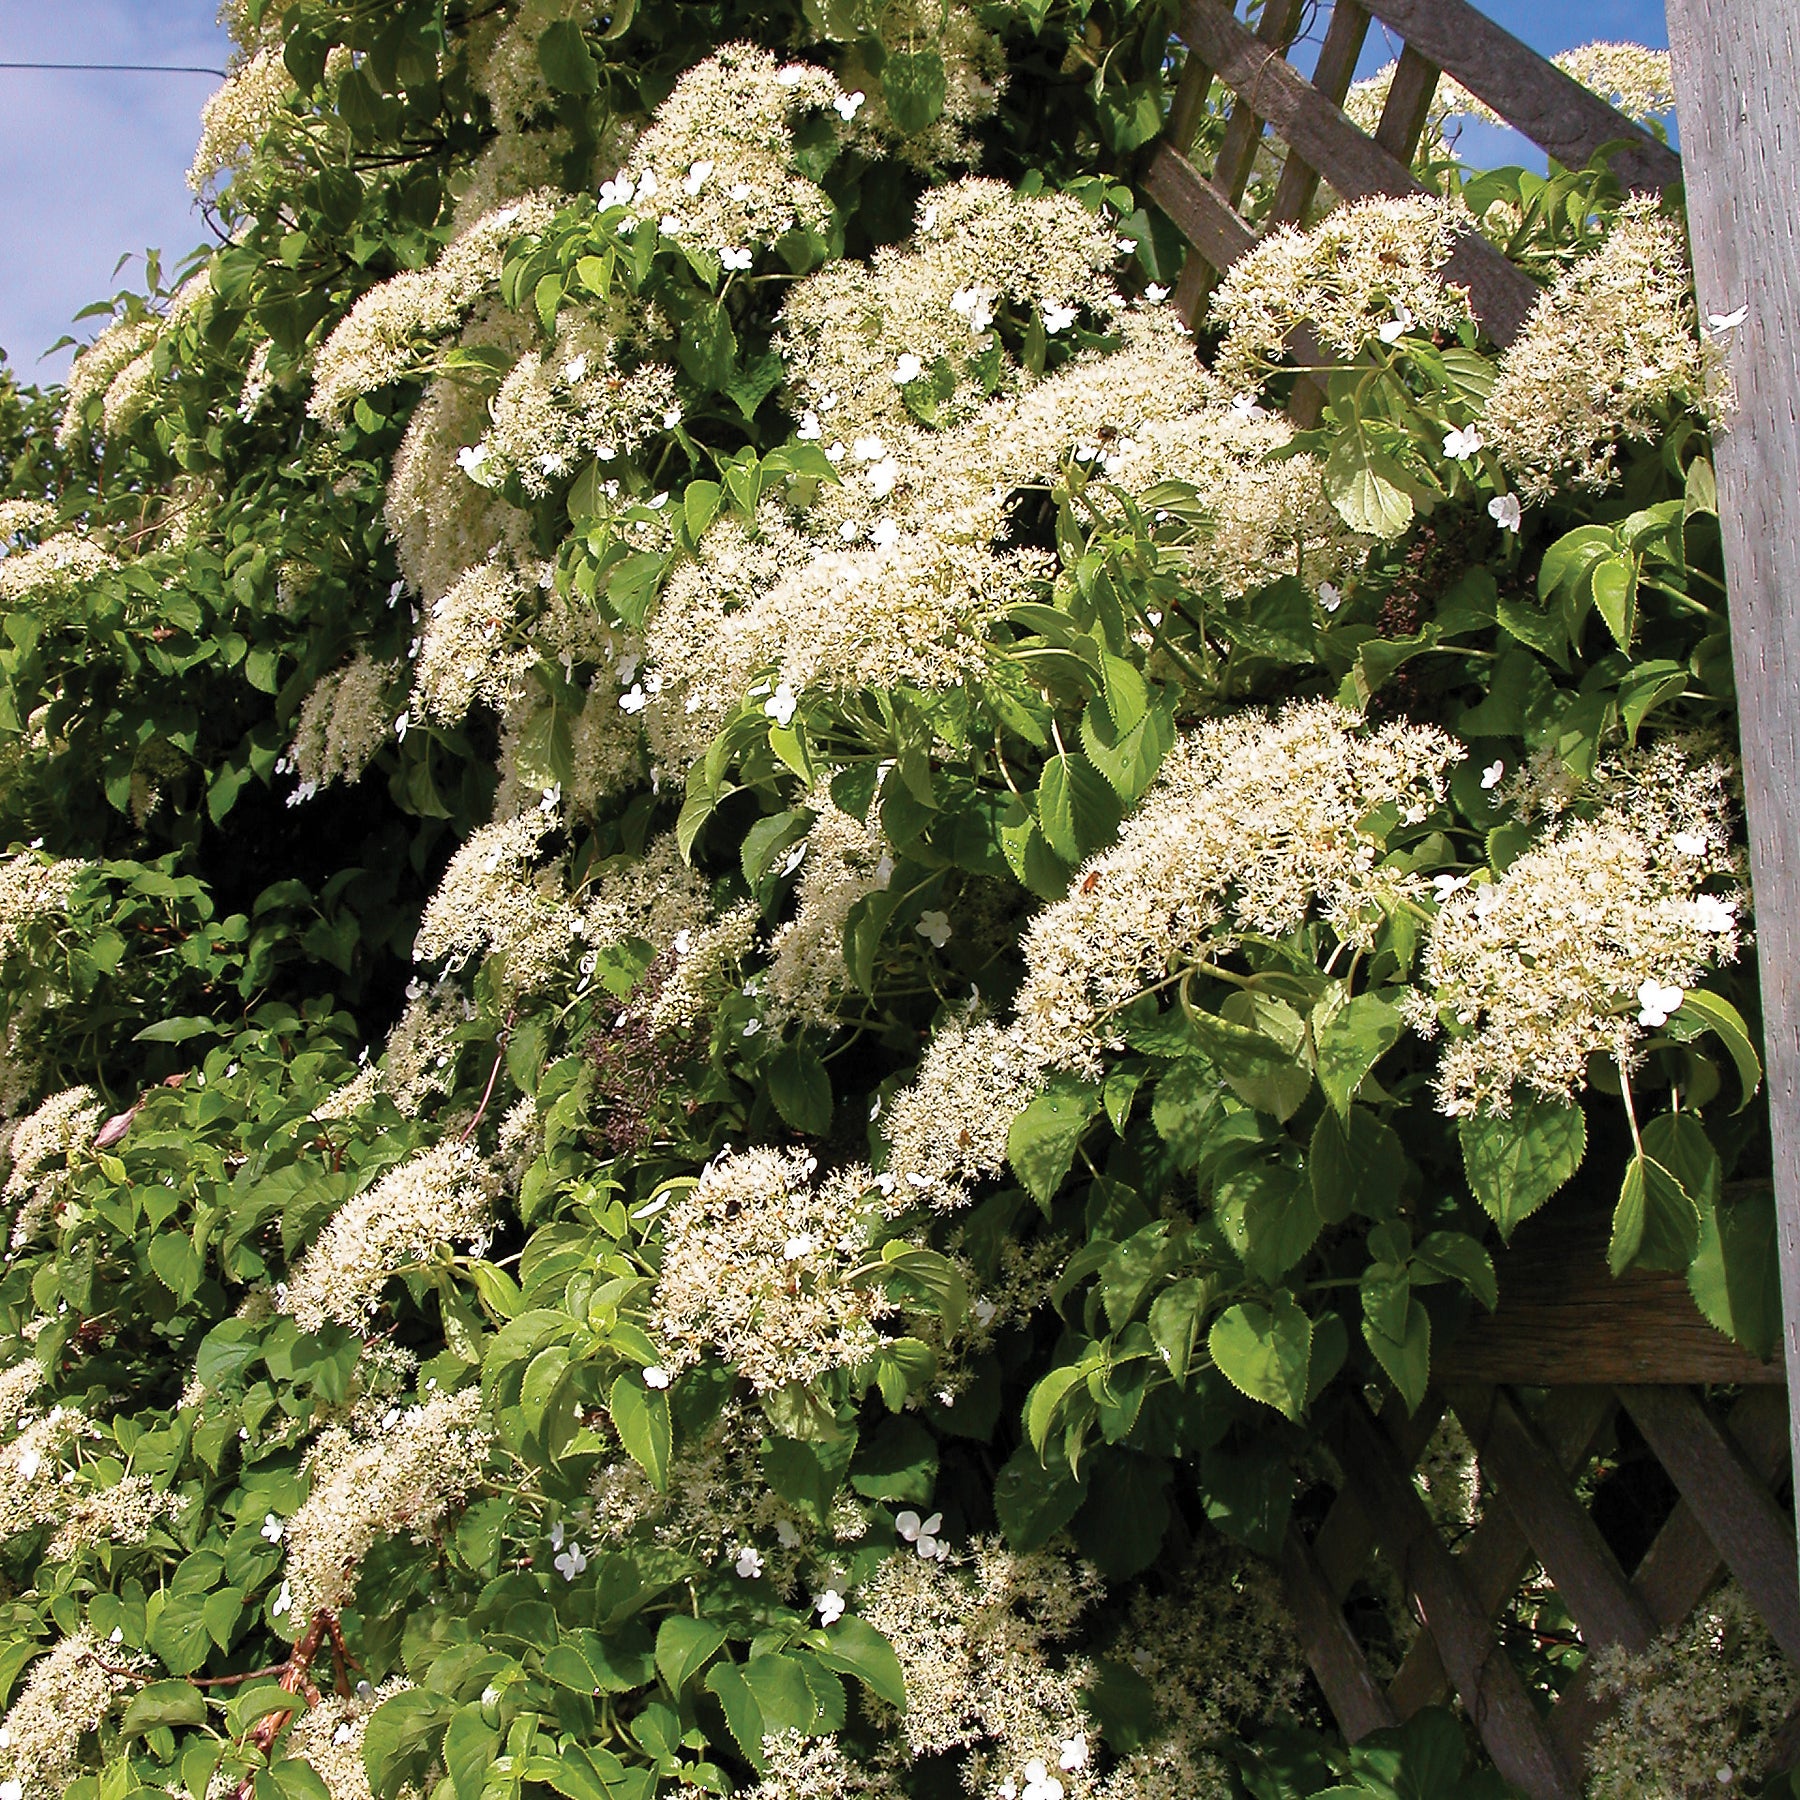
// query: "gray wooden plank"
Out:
[1312,127]
[1737,69]
[1492,1694]
[1408,105]
[1189,103]
[1746,1526]
[1356,1699]
[1498,1555]
[1555,111]
[1680,1567]
[1345,1541]
[1332,75]
[1243,130]
[1194,206]
[1535,1489]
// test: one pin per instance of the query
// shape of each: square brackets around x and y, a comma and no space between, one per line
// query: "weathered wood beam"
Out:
[1737,69]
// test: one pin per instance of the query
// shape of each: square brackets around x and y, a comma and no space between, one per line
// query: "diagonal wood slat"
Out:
[1344,38]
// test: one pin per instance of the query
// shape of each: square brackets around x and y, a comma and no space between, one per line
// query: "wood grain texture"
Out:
[1681,1566]
[1534,1488]
[1737,69]
[1243,130]
[1747,1528]
[1497,1556]
[1555,111]
[1564,1318]
[1331,75]
[1407,106]
[1345,1541]
[1492,1694]
[1354,164]
[1356,1699]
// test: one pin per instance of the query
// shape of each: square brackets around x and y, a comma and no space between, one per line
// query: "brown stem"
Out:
[493,1076]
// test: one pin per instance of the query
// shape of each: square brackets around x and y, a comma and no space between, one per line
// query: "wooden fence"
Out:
[1539,1389]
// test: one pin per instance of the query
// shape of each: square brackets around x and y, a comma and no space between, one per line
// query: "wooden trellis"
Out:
[1537,1389]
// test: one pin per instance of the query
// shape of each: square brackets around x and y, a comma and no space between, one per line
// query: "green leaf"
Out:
[1515,1164]
[683,1646]
[163,1703]
[1033,1502]
[1352,1039]
[897,1461]
[1678,1141]
[1268,1216]
[1407,1356]
[590,1663]
[913,84]
[176,1031]
[1175,1317]
[1456,1256]
[1367,487]
[1121,1525]
[743,1713]
[1736,1276]
[800,1088]
[1615,597]
[1077,808]
[1042,1140]
[1726,1023]
[567,62]
[469,1747]
[1357,1164]
[641,1417]
[1265,1352]
[177,1265]
[855,1647]
[1656,1223]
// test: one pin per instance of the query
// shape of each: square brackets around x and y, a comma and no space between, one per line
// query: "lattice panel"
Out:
[1727,1519]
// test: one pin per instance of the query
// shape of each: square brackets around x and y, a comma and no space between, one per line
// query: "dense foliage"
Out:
[753,943]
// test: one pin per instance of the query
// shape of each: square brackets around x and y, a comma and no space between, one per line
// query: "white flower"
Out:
[907,367]
[884,869]
[1657,1002]
[1155,293]
[655,1377]
[616,192]
[786,1535]
[1074,1754]
[634,701]
[928,218]
[885,535]
[671,419]
[735,259]
[1330,597]
[556,1535]
[752,1027]
[647,184]
[749,1563]
[808,430]
[1446,885]
[575,369]
[829,1606]
[1505,511]
[1690,843]
[868,449]
[984,1312]
[882,478]
[1040,1784]
[29,1464]
[1725,322]
[797,1247]
[12,1789]
[781,705]
[697,176]
[284,1601]
[1058,318]
[272,1528]
[1398,326]
[571,1562]
[936,926]
[671,224]
[1490,776]
[1463,443]
[1712,913]
[922,1534]
[849,105]
[792,75]
[470,460]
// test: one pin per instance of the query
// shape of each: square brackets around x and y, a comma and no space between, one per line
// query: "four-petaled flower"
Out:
[797,1247]
[849,105]
[1657,1002]
[1040,1784]
[907,367]
[781,705]
[1330,597]
[272,1528]
[922,1533]
[829,1606]
[1490,776]
[1398,326]
[1058,318]
[936,927]
[1073,1754]
[697,176]
[1155,293]
[656,1377]
[12,1789]
[1711,912]
[749,1563]
[571,1562]
[1447,885]
[735,259]
[1690,843]
[284,1601]
[1505,511]
[1463,443]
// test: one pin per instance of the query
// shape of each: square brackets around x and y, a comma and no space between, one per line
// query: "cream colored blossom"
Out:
[441,1196]
[44,1148]
[391,329]
[238,114]
[654,897]
[978,247]
[469,649]
[33,1488]
[974,64]
[344,720]
[95,368]
[1608,353]
[67,1695]
[705,965]
[34,887]
[1254,824]
[757,1260]
[1699,1713]
[17,1387]
[57,569]
[123,1514]
[1375,263]
[372,1478]
[946,1129]
[25,518]
[328,1736]
[1537,971]
[1638,81]
[490,898]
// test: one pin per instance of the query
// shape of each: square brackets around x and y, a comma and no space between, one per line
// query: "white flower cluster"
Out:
[234,119]
[343,722]
[66,1696]
[1588,939]
[33,887]
[974,64]
[43,1149]
[402,1470]
[57,569]
[1609,352]
[123,1514]
[328,1736]
[34,1481]
[757,1266]
[444,1195]
[96,368]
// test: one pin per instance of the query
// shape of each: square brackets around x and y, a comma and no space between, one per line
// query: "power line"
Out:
[120,68]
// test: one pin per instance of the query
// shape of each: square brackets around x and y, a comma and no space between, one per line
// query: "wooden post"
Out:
[1737,69]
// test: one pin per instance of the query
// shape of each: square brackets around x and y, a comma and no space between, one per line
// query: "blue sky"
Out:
[92,167]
